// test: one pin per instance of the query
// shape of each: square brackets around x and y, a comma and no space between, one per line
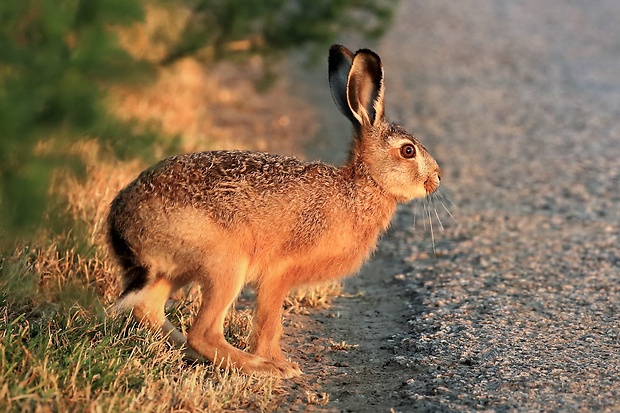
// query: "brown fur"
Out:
[225,219]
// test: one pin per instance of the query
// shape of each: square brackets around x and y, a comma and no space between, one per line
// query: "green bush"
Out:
[56,57]
[273,26]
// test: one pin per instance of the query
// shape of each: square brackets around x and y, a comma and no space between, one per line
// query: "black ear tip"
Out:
[339,61]
[337,51]
[369,53]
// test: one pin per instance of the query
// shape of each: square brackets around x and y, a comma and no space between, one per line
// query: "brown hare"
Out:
[224,219]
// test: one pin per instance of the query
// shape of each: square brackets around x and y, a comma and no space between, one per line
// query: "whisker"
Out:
[441,197]
[449,213]
[445,196]
[438,219]
[430,223]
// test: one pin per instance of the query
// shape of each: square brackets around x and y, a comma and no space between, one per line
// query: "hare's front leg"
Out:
[206,335]
[267,325]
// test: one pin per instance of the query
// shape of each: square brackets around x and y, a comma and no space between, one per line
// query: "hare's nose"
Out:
[438,174]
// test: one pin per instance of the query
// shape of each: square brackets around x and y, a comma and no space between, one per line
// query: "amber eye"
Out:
[407,151]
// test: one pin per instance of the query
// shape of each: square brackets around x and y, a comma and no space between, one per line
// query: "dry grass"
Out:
[319,399]
[343,346]
[319,296]
[59,351]
[218,107]
[67,359]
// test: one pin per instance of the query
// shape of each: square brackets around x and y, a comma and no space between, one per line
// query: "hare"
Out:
[224,219]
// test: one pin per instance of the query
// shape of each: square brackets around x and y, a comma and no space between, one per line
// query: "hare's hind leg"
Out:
[149,310]
[206,335]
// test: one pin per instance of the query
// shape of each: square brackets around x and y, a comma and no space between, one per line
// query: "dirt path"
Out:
[347,351]
[519,102]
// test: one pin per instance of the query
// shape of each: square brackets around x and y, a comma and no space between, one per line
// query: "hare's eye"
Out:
[407,151]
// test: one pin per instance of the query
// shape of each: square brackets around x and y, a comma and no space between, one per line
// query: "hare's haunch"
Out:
[225,219]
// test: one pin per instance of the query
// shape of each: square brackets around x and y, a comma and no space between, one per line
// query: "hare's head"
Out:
[393,157]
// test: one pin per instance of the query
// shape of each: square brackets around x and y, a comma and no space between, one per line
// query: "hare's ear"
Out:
[365,88]
[339,65]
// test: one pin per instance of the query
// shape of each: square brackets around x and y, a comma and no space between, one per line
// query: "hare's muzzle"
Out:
[432,182]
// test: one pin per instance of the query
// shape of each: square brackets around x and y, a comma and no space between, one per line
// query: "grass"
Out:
[319,296]
[59,351]
[69,359]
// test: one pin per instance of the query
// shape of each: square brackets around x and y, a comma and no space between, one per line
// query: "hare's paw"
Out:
[191,355]
[288,369]
[279,368]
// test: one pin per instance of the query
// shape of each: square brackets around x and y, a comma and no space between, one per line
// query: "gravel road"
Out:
[519,100]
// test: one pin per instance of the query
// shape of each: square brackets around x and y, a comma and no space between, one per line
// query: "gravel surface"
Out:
[520,310]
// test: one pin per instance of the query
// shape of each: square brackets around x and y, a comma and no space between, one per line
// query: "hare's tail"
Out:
[135,274]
